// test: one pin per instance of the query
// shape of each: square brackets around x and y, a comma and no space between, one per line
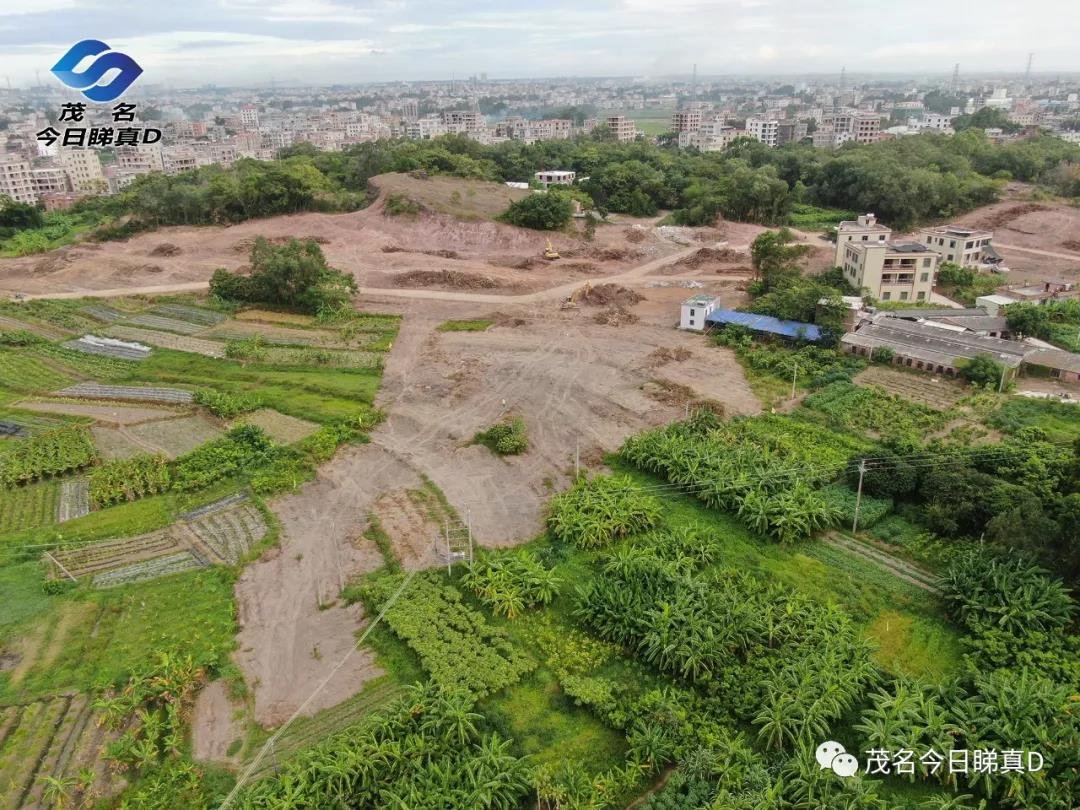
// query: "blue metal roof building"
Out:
[766,324]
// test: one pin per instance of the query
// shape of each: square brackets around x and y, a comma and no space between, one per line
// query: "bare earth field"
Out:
[1038,240]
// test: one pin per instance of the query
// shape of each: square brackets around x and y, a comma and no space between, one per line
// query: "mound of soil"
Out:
[442,254]
[663,355]
[615,316]
[447,278]
[708,255]
[580,267]
[613,254]
[1071,244]
[611,295]
[635,235]
[1001,218]
[515,262]
[502,319]
[166,249]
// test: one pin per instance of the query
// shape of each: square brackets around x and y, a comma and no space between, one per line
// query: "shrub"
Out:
[506,438]
[510,583]
[241,449]
[224,405]
[882,354]
[399,205]
[543,212]
[982,370]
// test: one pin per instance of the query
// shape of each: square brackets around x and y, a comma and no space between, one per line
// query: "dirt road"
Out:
[1049,253]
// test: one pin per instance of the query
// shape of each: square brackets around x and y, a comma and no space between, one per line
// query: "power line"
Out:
[254,764]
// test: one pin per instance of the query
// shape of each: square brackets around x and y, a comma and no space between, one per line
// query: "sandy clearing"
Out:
[292,634]
[410,529]
[214,726]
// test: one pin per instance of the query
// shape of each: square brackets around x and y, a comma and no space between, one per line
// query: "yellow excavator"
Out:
[571,301]
[551,253]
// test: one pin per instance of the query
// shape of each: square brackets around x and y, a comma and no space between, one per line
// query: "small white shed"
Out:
[694,312]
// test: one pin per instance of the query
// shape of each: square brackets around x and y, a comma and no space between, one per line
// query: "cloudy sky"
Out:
[190,42]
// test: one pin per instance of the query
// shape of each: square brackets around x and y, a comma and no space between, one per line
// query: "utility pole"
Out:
[794,374]
[858,495]
[1001,382]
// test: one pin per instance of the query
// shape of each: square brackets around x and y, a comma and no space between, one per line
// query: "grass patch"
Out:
[1060,421]
[377,535]
[117,631]
[476,325]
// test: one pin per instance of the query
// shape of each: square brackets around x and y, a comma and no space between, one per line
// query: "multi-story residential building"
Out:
[864,229]
[765,130]
[83,167]
[967,247]
[685,120]
[424,128]
[249,117]
[936,121]
[621,127]
[890,271]
[134,160]
[410,108]
[866,128]
[16,180]
[47,180]
[179,159]
[465,122]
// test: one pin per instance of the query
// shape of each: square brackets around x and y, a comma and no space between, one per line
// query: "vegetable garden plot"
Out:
[61,738]
[280,427]
[99,558]
[103,313]
[29,506]
[216,506]
[98,366]
[176,437]
[47,332]
[329,358]
[23,372]
[167,340]
[922,388]
[91,390]
[46,454]
[165,324]
[229,533]
[149,569]
[112,444]
[307,732]
[108,347]
[74,500]
[275,335]
[206,317]
[30,424]
[269,316]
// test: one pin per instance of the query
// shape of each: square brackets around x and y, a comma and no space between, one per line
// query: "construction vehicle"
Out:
[551,253]
[571,301]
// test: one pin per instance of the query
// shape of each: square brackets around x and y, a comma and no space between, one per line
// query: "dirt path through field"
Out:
[213,725]
[293,632]
[1072,256]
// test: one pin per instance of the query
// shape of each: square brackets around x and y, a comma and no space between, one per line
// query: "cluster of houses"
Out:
[934,340]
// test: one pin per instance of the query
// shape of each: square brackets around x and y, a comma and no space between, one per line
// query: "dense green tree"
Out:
[547,211]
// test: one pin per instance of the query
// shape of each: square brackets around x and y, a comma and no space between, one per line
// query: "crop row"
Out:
[29,506]
[46,454]
[149,569]
[59,739]
[99,557]
[456,645]
[230,533]
[74,500]
[207,317]
[23,372]
[167,340]
[108,347]
[165,324]
[128,479]
[98,366]
[91,390]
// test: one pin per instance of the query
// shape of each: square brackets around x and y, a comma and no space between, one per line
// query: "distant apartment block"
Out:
[864,229]
[249,117]
[765,130]
[425,128]
[140,159]
[685,120]
[48,180]
[621,127]
[16,180]
[890,271]
[967,247]
[83,168]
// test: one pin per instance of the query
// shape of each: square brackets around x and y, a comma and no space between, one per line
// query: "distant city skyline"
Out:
[321,42]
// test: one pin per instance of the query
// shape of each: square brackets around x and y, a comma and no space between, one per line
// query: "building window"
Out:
[691,321]
[691,313]
[926,262]
[921,296]
[885,296]
[924,277]
[903,296]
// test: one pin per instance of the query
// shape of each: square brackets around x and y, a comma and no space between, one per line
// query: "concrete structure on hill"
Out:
[555,177]
[890,271]
[695,310]
[967,247]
